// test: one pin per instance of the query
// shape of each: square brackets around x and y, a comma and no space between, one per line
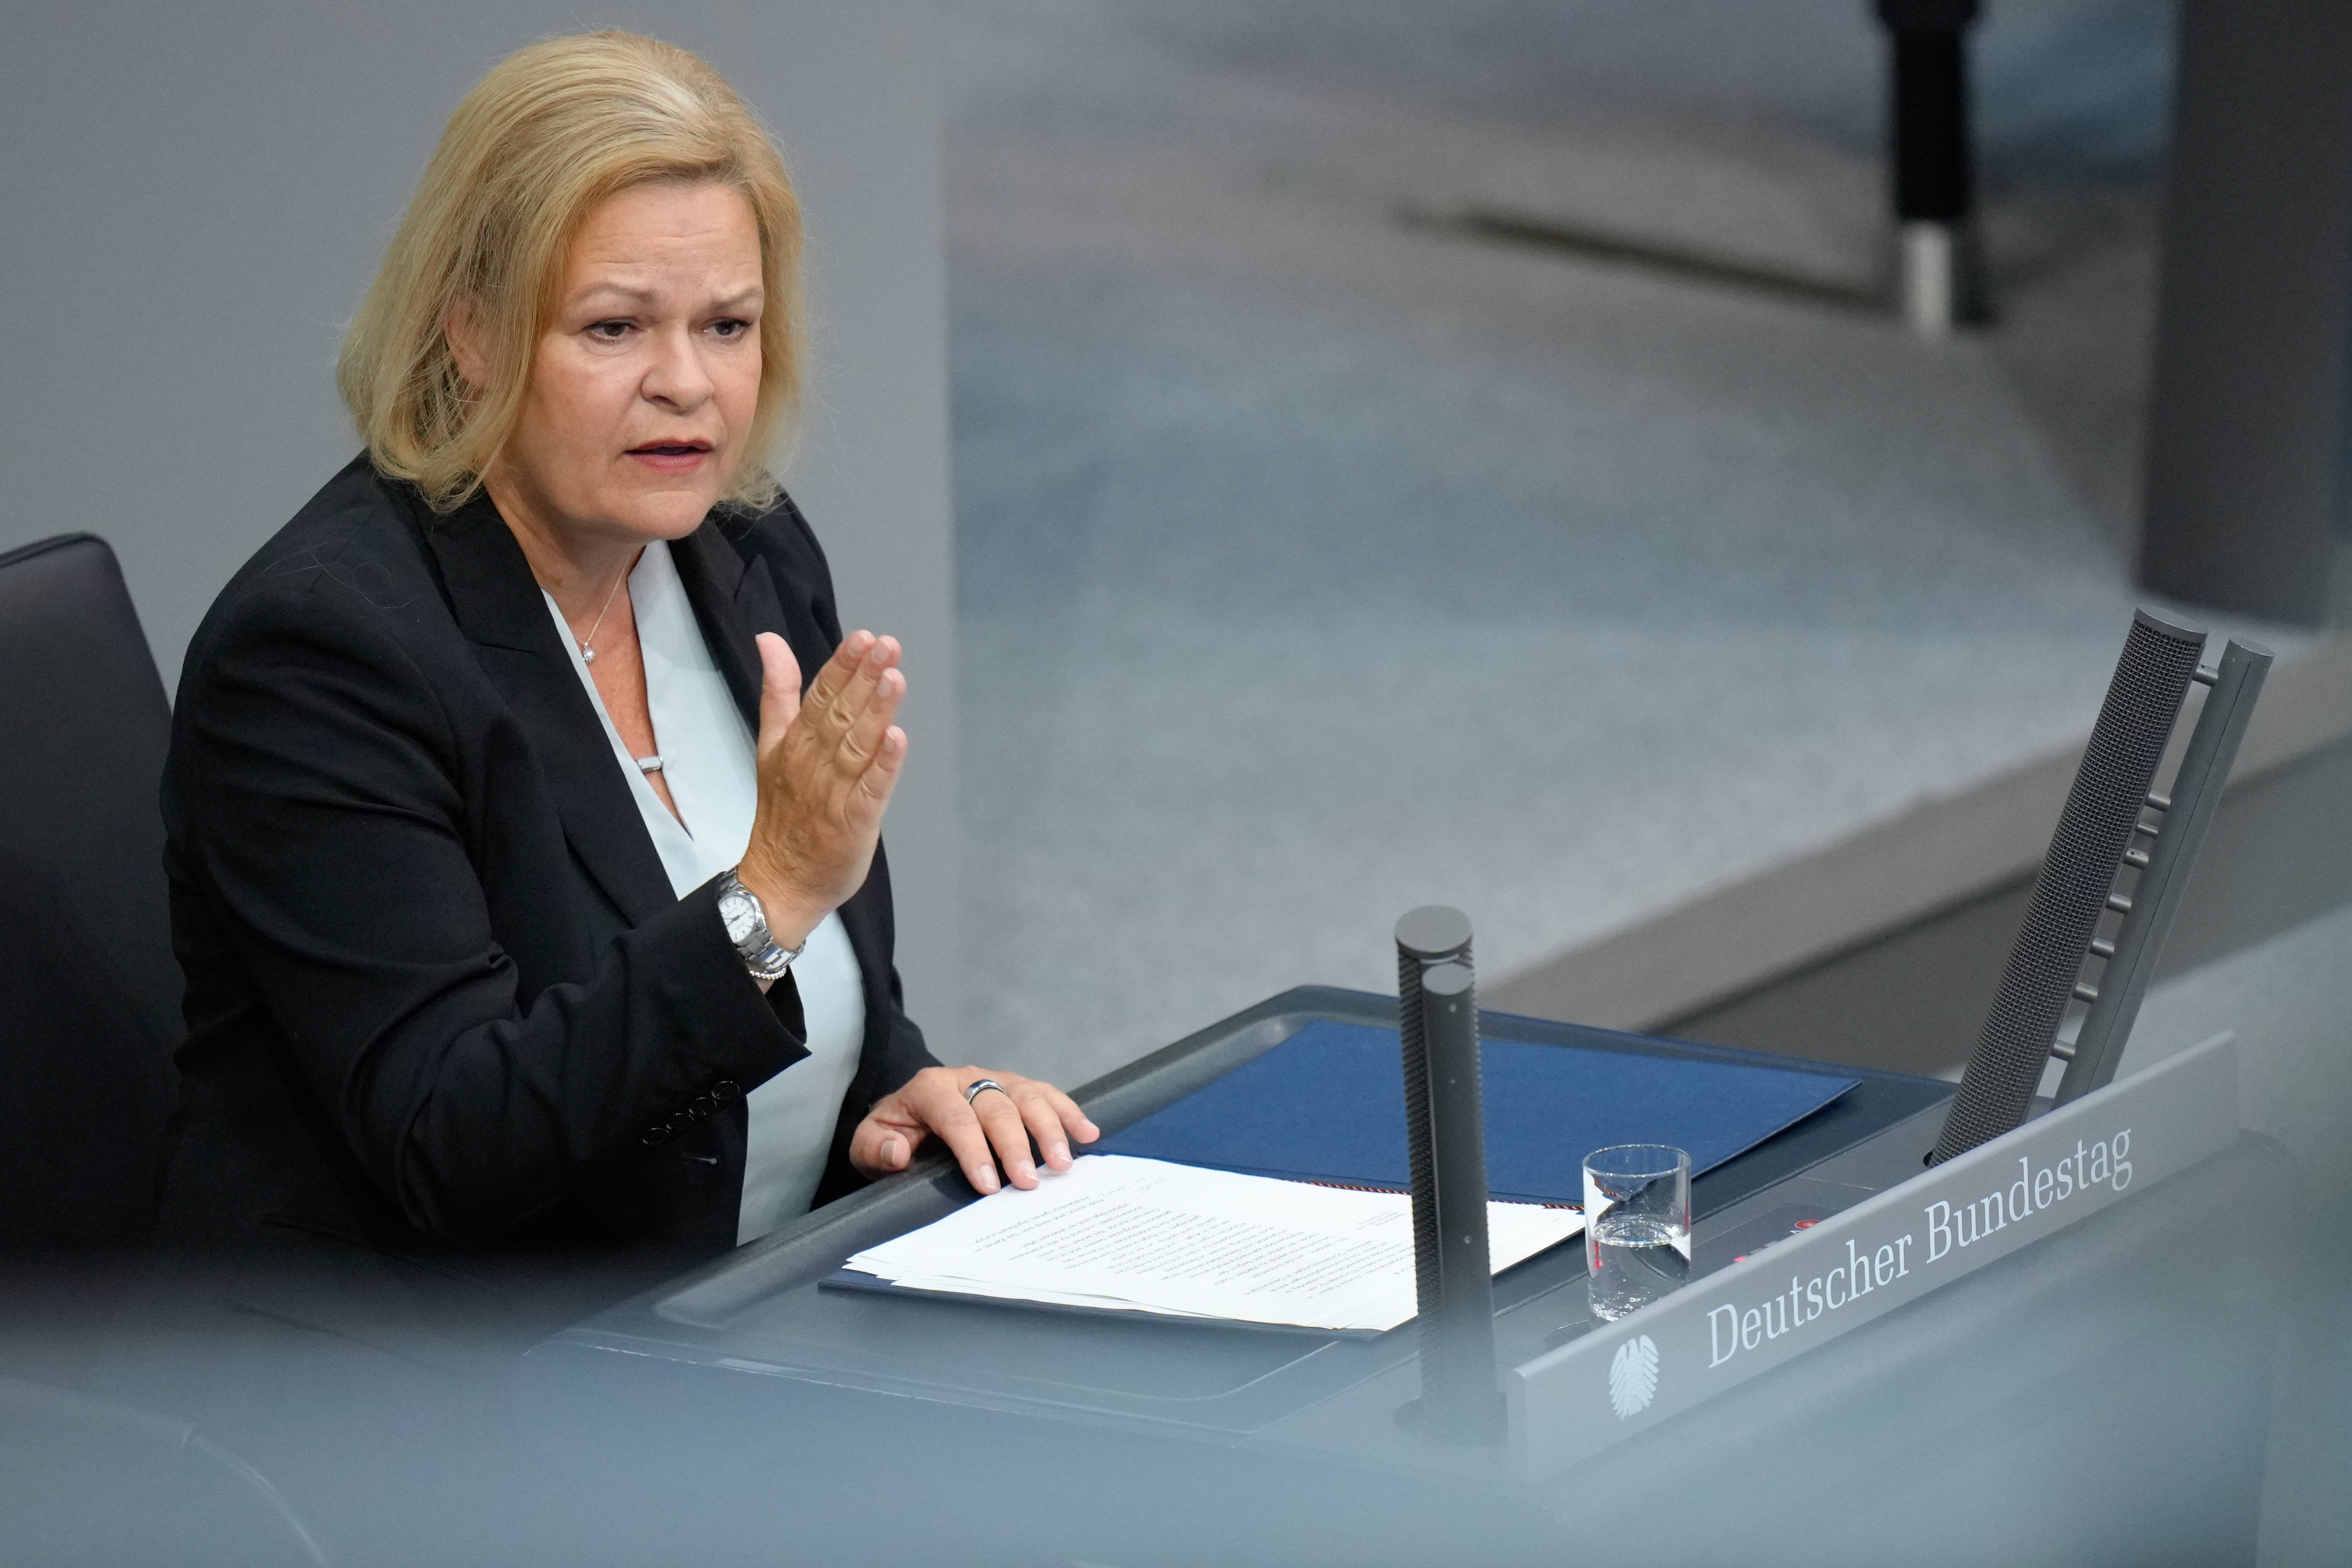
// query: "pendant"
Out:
[587,656]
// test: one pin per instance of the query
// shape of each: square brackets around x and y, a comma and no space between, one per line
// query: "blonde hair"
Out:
[552,131]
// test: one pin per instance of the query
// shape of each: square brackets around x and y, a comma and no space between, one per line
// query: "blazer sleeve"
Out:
[905,1052]
[319,766]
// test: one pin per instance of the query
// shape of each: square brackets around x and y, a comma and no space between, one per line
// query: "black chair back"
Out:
[90,993]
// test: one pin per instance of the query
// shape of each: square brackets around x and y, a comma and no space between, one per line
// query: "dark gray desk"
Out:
[744,1406]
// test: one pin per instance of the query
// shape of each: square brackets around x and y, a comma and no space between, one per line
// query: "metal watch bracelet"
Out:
[746,927]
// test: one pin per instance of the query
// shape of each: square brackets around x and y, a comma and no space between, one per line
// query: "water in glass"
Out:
[1635,1259]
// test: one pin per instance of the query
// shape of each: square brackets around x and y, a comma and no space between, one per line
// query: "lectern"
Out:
[746,1403]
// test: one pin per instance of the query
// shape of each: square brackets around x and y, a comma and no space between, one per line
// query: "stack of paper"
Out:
[1143,1236]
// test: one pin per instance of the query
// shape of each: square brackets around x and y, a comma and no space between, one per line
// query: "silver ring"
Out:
[972,1090]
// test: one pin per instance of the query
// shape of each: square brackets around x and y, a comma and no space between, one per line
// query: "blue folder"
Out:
[1328,1105]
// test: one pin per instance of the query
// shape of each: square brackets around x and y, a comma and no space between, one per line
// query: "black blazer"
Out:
[443,1007]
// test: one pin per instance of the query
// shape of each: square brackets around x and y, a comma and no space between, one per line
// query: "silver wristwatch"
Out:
[747,928]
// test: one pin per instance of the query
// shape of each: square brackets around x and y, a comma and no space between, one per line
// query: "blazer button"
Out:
[700,1106]
[726,1089]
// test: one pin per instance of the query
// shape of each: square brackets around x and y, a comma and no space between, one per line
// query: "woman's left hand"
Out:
[992,1129]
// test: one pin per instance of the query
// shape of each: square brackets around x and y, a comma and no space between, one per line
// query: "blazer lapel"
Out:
[498,606]
[734,600]
[711,573]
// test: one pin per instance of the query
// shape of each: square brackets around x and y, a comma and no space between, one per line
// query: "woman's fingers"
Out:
[985,1133]
[861,744]
[867,705]
[989,1132]
[831,678]
[1008,1135]
[883,777]
[861,768]
[1042,1120]
[1074,1122]
[846,684]
[900,1124]
[934,1097]
[883,1145]
[843,726]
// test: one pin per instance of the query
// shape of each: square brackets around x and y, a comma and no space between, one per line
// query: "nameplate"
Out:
[1891,1249]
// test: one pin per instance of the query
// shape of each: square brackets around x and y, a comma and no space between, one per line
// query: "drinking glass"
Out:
[1637,1225]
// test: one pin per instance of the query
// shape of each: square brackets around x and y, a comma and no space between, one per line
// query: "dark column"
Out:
[1445,1142]
[1928,110]
[1930,164]
[2248,413]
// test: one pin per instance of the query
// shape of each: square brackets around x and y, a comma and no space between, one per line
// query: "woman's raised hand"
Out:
[827,763]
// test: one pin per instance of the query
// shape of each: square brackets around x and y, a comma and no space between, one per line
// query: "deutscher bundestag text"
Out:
[1732,1329]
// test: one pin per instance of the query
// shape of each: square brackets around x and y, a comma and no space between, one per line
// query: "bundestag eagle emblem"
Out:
[1633,1376]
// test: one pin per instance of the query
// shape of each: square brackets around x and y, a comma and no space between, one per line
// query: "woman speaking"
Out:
[529,894]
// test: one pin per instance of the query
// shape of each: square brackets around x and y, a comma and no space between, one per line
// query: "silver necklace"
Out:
[588,654]
[652,764]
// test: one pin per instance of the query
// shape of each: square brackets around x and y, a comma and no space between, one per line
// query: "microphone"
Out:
[1445,1138]
[2106,811]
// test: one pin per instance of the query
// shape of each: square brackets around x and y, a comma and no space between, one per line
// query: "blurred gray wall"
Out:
[195,196]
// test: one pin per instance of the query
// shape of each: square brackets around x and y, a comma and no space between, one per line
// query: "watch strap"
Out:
[757,947]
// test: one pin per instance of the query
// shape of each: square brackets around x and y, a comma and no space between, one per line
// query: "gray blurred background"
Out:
[1314,563]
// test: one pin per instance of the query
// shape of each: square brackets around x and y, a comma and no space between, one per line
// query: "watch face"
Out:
[741,918]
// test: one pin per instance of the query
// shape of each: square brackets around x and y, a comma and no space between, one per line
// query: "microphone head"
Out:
[1447,980]
[1433,931]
